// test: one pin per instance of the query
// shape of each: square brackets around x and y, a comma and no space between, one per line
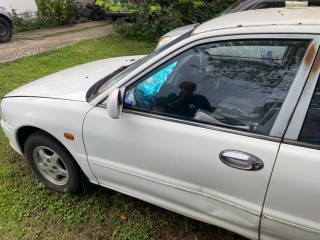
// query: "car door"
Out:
[291,209]
[199,133]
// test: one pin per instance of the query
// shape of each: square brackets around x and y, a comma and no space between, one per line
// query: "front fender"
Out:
[54,116]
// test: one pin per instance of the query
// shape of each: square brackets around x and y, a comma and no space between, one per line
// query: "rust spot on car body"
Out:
[316,66]
[310,55]
[239,26]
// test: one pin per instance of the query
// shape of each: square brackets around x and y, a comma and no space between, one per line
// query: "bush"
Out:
[51,13]
[39,22]
[152,18]
[60,11]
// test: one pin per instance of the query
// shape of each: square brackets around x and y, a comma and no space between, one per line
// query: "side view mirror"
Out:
[114,104]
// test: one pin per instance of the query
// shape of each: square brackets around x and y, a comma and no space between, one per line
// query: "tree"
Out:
[60,11]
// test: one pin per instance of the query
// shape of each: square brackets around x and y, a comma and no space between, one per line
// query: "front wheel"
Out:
[51,163]
[5,31]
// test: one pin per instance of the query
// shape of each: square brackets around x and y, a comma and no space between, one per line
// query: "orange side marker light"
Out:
[69,136]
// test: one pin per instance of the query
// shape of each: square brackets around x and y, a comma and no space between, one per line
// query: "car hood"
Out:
[72,83]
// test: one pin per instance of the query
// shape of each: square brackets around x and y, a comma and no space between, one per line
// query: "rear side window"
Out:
[310,132]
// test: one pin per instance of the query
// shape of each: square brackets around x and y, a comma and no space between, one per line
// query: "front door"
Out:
[194,133]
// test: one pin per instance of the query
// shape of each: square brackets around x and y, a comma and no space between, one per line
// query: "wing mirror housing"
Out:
[114,103]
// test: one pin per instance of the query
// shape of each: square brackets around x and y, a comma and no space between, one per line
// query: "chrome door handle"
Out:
[241,160]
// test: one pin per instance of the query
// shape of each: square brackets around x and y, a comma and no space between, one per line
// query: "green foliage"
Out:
[131,225]
[60,11]
[152,18]
[114,5]
[39,22]
[51,13]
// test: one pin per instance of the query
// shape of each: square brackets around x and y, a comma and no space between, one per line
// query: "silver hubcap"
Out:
[50,165]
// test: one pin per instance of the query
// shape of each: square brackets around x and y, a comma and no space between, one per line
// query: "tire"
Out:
[114,18]
[51,163]
[5,30]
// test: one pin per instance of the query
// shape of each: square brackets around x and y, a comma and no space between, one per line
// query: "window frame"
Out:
[300,113]
[307,114]
[280,124]
[190,54]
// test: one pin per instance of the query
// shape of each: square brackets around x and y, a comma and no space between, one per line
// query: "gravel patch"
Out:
[35,42]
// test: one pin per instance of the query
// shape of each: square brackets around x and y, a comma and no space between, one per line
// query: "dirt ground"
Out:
[34,42]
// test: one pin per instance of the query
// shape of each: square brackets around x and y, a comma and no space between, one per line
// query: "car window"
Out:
[107,82]
[238,84]
[310,132]
[270,4]
[227,10]
[253,52]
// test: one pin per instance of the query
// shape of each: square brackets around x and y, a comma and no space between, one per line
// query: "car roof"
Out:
[308,16]
[243,5]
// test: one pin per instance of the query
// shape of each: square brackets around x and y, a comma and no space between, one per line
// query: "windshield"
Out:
[122,72]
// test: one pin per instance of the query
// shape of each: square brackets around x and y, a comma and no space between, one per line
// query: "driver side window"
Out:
[238,84]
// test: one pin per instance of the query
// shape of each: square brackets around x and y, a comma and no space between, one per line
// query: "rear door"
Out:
[292,206]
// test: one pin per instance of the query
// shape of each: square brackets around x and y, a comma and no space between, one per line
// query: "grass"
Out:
[29,210]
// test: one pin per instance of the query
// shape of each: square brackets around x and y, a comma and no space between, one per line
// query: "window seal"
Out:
[301,144]
[201,125]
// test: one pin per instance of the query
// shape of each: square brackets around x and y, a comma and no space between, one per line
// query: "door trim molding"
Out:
[298,226]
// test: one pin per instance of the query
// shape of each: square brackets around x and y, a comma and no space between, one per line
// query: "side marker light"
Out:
[69,136]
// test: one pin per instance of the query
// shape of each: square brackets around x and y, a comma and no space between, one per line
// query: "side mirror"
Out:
[114,104]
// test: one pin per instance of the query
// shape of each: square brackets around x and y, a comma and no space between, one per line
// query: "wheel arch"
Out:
[26,131]
[7,19]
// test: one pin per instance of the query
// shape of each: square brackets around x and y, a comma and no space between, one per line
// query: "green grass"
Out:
[29,210]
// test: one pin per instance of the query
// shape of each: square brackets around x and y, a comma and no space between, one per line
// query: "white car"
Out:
[223,126]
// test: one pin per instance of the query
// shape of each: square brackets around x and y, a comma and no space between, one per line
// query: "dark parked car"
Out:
[6,24]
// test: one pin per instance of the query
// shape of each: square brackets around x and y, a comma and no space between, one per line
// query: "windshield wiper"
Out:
[93,91]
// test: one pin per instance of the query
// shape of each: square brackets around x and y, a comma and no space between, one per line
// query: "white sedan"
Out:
[222,125]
